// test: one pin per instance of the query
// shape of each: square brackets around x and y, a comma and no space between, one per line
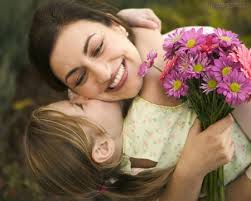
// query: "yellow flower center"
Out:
[198,68]
[191,43]
[235,87]
[226,70]
[177,85]
[225,38]
[211,84]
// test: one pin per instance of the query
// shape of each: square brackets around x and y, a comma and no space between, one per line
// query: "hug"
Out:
[120,137]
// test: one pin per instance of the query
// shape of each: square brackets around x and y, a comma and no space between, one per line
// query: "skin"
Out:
[107,148]
[98,71]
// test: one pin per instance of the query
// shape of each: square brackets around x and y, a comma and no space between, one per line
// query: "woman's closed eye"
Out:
[81,76]
[98,49]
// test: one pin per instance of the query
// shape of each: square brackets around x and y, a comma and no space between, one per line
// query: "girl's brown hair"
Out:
[49,20]
[58,153]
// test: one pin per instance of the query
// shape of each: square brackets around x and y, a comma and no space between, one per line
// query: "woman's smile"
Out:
[119,78]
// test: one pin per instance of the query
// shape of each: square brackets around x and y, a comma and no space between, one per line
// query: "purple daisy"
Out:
[171,42]
[146,65]
[236,88]
[151,56]
[223,67]
[143,69]
[191,40]
[198,65]
[175,85]
[227,38]
[183,63]
[210,83]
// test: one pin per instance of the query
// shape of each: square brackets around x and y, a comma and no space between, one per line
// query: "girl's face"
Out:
[104,114]
[97,61]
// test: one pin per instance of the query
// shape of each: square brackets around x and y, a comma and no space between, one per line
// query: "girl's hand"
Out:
[144,17]
[206,150]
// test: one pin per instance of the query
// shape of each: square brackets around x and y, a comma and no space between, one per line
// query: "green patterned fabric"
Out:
[158,133]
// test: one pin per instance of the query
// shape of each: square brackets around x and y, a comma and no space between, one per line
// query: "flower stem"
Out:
[221,179]
[156,67]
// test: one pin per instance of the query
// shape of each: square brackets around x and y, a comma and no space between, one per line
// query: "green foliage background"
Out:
[15,70]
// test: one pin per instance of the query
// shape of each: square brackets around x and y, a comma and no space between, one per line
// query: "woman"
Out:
[81,55]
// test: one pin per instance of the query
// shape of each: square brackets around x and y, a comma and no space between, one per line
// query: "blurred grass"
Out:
[21,88]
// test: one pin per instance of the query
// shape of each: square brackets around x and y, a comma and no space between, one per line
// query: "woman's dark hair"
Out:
[50,18]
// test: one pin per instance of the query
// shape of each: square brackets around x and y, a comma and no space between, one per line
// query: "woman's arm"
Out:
[242,114]
[203,152]
[238,190]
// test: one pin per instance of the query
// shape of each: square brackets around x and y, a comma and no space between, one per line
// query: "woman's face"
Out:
[97,61]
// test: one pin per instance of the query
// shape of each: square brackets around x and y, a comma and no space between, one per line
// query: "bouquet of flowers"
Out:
[212,72]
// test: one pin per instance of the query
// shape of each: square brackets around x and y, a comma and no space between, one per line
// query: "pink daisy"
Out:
[175,85]
[171,43]
[244,57]
[198,65]
[191,40]
[146,65]
[223,67]
[227,38]
[211,42]
[236,88]
[210,83]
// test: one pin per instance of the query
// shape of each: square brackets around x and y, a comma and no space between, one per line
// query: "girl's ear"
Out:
[103,150]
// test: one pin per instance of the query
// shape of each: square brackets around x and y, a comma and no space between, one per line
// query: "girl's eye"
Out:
[81,106]
[98,49]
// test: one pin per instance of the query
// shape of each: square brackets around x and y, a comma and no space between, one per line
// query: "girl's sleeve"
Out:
[242,115]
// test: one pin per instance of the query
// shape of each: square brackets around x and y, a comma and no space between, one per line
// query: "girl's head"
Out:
[67,152]
[105,136]
[75,45]
[73,151]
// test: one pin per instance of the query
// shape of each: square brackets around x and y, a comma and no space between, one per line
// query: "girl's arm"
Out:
[239,190]
[202,153]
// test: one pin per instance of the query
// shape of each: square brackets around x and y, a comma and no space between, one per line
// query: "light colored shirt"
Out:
[158,133]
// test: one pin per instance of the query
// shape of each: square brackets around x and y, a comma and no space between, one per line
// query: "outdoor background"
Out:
[22,90]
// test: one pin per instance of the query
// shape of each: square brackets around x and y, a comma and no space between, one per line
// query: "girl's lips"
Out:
[122,81]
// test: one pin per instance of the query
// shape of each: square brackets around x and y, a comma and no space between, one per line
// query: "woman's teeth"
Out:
[118,76]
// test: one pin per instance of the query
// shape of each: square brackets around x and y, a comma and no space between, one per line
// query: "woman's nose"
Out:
[101,71]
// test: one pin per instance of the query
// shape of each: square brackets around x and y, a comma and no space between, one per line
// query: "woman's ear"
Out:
[103,150]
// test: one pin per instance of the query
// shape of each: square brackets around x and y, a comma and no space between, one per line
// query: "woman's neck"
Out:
[146,40]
